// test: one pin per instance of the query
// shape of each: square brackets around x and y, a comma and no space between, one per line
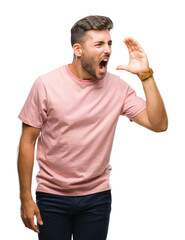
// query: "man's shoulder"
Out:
[51,75]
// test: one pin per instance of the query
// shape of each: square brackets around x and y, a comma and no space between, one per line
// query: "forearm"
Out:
[155,107]
[25,168]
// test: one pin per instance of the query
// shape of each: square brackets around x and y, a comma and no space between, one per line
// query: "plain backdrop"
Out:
[148,173]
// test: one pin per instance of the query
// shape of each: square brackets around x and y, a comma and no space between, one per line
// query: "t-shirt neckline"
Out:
[81,81]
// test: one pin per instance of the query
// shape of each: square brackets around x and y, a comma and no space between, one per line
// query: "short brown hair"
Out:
[89,23]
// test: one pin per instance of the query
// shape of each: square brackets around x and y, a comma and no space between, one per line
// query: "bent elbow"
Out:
[165,127]
[162,127]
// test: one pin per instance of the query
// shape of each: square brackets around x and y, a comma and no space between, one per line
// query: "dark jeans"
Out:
[84,217]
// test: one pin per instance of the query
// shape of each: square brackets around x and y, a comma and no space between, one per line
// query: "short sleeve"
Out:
[133,105]
[34,111]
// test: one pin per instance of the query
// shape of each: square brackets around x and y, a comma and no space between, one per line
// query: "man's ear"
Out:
[77,49]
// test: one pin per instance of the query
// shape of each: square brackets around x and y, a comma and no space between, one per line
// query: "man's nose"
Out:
[107,49]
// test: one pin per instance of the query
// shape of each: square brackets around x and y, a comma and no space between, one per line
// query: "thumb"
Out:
[39,219]
[122,67]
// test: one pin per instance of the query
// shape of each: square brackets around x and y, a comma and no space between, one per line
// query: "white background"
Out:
[148,168]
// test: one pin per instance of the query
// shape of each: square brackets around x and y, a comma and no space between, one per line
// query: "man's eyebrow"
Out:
[102,42]
[99,42]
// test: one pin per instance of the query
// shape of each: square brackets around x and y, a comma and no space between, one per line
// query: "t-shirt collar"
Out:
[84,82]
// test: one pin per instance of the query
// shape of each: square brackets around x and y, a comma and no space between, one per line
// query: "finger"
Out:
[33,226]
[133,45]
[136,44]
[39,219]
[122,67]
[29,223]
[130,44]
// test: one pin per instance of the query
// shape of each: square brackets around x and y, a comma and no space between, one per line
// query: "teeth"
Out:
[105,60]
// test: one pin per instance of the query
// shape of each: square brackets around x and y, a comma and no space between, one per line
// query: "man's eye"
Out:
[98,45]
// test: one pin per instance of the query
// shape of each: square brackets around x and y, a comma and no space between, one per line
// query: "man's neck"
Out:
[77,70]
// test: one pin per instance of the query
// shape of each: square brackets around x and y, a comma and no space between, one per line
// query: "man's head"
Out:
[79,29]
[91,43]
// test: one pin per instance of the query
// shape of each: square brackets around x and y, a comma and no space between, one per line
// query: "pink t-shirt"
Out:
[78,119]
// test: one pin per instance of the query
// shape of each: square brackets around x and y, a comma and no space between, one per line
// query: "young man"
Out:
[73,111]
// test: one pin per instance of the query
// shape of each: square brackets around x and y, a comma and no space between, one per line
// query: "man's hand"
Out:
[138,61]
[29,209]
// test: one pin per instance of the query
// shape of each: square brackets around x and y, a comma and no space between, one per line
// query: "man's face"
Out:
[96,51]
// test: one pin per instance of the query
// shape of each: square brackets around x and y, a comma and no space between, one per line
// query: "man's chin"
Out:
[100,76]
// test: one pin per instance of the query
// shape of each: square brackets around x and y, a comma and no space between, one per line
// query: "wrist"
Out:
[26,197]
[146,74]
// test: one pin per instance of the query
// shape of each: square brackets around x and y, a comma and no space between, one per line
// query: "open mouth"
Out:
[103,65]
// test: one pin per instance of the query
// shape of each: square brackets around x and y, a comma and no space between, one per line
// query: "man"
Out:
[74,111]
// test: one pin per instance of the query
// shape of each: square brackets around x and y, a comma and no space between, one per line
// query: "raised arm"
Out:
[154,117]
[25,167]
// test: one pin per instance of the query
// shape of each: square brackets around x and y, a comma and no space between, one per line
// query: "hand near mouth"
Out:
[138,61]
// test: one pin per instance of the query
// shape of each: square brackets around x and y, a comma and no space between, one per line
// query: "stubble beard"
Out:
[88,65]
